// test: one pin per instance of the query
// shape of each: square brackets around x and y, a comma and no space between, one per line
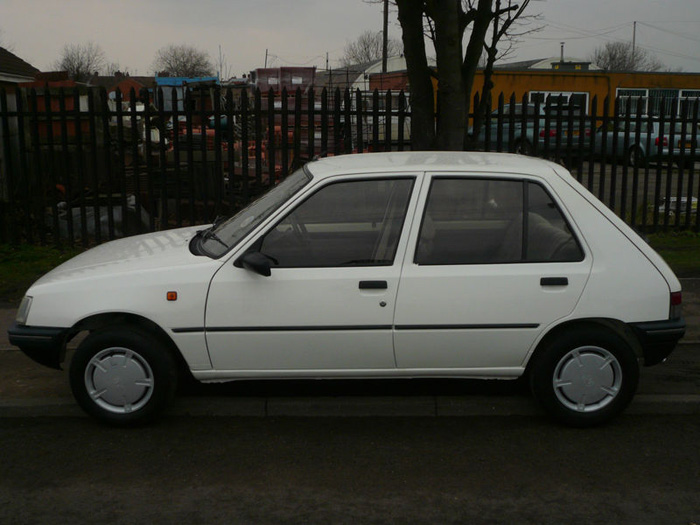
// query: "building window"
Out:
[562,99]
[689,100]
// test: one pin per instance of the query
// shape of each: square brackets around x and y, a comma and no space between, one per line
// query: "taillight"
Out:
[676,305]
[551,133]
[665,142]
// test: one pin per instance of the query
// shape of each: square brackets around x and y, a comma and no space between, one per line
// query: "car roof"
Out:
[435,161]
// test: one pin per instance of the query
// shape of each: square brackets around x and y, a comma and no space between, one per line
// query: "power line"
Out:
[675,33]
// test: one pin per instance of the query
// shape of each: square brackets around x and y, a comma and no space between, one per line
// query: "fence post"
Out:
[635,175]
[311,118]
[231,151]
[347,128]
[359,115]
[387,121]
[53,181]
[297,129]
[271,136]
[626,147]
[35,177]
[511,122]
[337,122]
[176,155]
[284,129]
[104,115]
[244,147]
[324,122]
[93,165]
[592,143]
[10,212]
[401,119]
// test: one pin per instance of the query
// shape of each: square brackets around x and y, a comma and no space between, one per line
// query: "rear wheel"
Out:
[585,377]
[635,157]
[523,147]
[123,376]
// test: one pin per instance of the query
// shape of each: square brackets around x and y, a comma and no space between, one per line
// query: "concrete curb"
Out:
[389,406]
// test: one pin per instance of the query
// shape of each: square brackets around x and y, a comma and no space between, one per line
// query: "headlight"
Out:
[23,311]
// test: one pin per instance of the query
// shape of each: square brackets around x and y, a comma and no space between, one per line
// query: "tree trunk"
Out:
[452,116]
[421,85]
[484,14]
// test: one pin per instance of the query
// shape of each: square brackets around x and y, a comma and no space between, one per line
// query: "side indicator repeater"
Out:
[171,296]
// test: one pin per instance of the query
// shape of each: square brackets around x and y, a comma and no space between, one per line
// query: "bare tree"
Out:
[113,68]
[504,36]
[81,61]
[183,61]
[368,47]
[447,23]
[619,56]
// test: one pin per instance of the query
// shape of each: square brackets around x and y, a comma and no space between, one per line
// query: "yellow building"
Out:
[582,87]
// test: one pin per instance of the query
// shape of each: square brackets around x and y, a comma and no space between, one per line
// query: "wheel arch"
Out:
[614,326]
[131,320]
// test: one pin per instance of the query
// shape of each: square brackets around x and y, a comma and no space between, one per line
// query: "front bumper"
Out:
[658,338]
[45,345]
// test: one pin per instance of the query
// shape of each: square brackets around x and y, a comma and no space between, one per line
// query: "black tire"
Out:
[585,376]
[123,376]
[686,164]
[523,147]
[635,157]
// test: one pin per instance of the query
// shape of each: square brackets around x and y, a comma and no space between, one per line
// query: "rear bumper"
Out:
[45,345]
[658,338]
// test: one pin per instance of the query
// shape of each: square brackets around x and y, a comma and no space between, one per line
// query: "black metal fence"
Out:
[82,166]
[642,166]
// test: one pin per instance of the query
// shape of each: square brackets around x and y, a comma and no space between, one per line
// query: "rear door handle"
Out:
[373,285]
[554,281]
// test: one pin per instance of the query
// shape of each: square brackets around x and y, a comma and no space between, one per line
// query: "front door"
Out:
[329,301]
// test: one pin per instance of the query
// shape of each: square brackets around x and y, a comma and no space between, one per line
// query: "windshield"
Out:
[230,232]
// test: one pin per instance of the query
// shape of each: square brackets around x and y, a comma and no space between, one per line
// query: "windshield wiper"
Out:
[209,234]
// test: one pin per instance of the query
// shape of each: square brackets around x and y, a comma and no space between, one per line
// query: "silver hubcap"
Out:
[587,379]
[119,380]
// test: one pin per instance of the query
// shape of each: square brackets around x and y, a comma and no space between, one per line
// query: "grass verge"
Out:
[21,265]
[681,250]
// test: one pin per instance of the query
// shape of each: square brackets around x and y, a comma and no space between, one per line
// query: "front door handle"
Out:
[554,281]
[373,285]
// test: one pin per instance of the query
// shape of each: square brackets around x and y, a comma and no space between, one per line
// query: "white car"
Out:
[382,265]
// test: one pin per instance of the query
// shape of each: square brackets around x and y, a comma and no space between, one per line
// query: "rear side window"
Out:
[487,221]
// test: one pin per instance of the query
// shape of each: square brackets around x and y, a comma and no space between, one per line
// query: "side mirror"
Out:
[255,262]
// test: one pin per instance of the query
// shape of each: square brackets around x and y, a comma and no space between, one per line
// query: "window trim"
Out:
[525,222]
[257,244]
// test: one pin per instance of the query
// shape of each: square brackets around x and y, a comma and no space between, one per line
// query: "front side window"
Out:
[487,221]
[350,223]
[229,233]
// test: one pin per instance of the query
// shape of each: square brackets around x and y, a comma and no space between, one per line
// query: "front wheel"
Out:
[123,376]
[585,377]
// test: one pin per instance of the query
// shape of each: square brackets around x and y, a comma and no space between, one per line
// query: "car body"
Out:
[381,265]
[646,139]
[531,128]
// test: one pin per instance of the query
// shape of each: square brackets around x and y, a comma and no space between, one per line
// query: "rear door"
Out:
[492,263]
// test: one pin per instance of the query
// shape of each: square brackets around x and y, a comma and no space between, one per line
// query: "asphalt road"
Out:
[351,470]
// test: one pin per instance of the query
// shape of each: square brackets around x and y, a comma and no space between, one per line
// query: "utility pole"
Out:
[385,35]
[266,58]
[634,42]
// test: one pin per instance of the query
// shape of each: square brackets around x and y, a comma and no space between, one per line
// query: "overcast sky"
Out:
[301,32]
